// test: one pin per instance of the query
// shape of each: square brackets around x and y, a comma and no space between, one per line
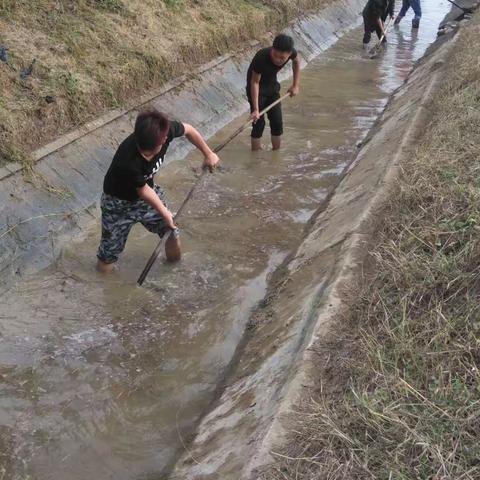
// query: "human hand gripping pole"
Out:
[159,246]
[373,52]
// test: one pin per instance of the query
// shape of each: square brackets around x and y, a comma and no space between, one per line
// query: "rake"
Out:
[189,195]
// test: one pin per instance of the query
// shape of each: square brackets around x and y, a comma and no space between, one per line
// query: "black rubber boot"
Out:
[415,23]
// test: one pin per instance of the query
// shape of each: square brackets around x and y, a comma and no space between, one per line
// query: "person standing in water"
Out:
[374,16]
[263,87]
[417,10]
[129,193]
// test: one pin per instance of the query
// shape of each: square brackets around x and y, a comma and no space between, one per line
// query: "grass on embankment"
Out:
[400,383]
[94,55]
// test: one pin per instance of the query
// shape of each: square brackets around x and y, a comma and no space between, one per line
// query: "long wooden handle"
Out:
[385,30]
[248,123]
[221,146]
[158,248]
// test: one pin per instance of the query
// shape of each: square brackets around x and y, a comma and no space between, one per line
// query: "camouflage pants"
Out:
[119,216]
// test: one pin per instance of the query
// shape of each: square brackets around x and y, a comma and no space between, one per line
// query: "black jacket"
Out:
[378,8]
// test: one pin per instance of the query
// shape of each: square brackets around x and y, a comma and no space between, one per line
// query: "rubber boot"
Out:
[416,23]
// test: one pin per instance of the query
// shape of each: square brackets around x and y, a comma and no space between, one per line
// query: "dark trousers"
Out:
[274,115]
[371,25]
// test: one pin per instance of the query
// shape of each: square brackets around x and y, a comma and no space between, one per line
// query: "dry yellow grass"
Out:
[94,55]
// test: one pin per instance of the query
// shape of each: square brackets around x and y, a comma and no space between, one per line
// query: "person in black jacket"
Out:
[374,16]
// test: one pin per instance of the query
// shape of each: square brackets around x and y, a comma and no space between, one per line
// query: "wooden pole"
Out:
[158,248]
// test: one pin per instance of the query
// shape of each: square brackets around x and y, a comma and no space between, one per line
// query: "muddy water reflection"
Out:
[101,379]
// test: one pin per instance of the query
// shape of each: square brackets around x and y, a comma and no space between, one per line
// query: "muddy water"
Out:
[102,379]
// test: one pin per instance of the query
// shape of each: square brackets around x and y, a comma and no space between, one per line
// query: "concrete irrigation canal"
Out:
[184,377]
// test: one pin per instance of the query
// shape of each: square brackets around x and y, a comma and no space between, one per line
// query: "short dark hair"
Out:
[151,129]
[283,43]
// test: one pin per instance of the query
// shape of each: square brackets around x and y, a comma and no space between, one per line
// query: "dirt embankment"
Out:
[95,55]
[397,382]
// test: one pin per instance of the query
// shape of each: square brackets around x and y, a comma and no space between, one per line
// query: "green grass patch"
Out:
[9,154]
[7,7]
[174,4]
[115,6]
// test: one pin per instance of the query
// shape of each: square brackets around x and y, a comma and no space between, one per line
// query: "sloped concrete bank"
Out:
[274,369]
[60,199]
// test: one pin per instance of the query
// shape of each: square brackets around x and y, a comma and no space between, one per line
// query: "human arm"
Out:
[294,89]
[378,10]
[210,158]
[148,194]
[254,93]
[381,25]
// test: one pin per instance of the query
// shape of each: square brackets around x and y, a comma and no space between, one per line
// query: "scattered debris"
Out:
[447,28]
[4,54]
[4,57]
[26,72]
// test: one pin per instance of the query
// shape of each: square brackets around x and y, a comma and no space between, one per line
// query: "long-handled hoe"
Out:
[373,53]
[172,244]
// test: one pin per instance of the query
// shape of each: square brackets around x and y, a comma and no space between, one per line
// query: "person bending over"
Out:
[374,16]
[129,193]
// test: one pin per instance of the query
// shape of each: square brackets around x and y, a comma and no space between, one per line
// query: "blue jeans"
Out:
[415,4]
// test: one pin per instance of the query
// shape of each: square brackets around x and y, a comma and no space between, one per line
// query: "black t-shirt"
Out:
[262,64]
[378,9]
[129,170]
